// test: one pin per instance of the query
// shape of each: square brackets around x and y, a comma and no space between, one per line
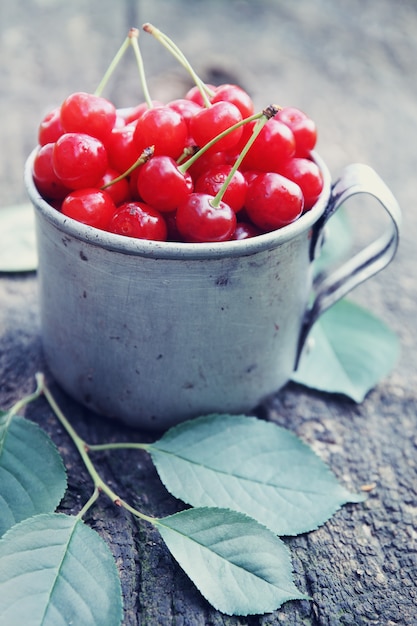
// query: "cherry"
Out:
[122,151]
[273,201]
[133,184]
[212,180]
[172,229]
[210,122]
[303,128]
[86,113]
[194,94]
[134,113]
[206,161]
[139,220]
[162,185]
[250,175]
[90,206]
[46,181]
[199,220]
[308,176]
[186,108]
[274,145]
[237,96]
[245,230]
[50,128]
[163,128]
[119,190]
[79,160]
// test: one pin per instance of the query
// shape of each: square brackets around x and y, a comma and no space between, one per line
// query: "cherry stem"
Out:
[114,63]
[144,157]
[178,54]
[183,168]
[264,117]
[139,60]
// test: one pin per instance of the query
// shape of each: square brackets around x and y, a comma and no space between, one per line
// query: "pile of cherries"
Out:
[167,171]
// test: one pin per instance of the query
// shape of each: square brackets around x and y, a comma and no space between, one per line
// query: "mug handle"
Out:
[356,178]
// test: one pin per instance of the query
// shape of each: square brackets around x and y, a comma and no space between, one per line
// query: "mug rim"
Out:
[173,249]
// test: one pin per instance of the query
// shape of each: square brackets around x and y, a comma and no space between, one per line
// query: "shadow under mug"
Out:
[154,333]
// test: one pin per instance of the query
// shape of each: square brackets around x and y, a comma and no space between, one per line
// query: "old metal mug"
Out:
[154,333]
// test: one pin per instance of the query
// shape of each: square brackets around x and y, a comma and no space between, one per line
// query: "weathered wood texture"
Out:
[351,65]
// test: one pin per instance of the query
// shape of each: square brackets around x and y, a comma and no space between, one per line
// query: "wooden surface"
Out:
[351,65]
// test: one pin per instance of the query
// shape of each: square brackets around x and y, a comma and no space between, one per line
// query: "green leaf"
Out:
[56,571]
[17,239]
[32,475]
[238,565]
[252,466]
[348,351]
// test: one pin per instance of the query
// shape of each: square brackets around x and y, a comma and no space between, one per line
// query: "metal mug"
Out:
[153,333]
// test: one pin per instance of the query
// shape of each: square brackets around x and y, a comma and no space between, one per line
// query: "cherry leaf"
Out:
[348,352]
[55,570]
[252,466]
[238,565]
[32,475]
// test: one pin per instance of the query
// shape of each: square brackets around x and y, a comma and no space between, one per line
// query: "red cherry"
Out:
[79,160]
[89,206]
[273,201]
[162,185]
[134,113]
[194,94]
[133,185]
[237,96]
[274,145]
[50,128]
[245,230]
[206,161]
[199,221]
[212,180]
[137,219]
[308,176]
[86,113]
[172,230]
[250,175]
[212,121]
[120,191]
[44,177]
[303,128]
[163,128]
[122,150]
[186,108]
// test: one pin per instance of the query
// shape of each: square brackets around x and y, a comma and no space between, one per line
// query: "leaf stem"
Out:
[20,404]
[99,484]
[118,446]
[89,503]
